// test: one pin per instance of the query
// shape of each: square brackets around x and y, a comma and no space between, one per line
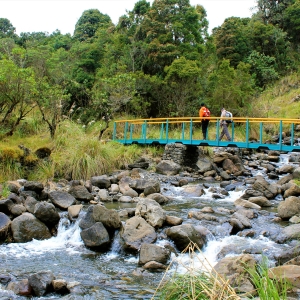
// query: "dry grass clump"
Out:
[196,282]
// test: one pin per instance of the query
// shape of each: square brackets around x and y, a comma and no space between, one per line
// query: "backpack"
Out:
[228,115]
[206,112]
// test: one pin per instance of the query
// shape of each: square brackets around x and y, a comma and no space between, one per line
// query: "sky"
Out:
[50,15]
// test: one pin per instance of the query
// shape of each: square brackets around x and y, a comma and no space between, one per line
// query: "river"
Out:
[109,275]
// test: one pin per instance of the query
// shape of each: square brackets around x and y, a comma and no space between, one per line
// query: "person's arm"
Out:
[201,112]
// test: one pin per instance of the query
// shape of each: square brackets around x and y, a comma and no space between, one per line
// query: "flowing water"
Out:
[109,275]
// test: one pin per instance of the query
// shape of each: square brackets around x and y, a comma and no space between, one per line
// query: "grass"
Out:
[267,288]
[195,283]
[4,191]
[204,283]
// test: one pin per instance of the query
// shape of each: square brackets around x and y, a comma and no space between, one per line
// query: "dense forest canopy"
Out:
[159,60]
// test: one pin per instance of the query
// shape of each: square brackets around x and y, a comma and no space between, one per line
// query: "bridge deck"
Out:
[253,133]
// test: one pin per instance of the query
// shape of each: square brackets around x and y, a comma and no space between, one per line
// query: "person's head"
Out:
[202,104]
[222,109]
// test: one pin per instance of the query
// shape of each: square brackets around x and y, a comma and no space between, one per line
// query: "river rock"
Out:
[159,198]
[60,286]
[294,190]
[87,220]
[13,186]
[290,273]
[130,192]
[108,217]
[168,167]
[154,265]
[183,234]
[269,190]
[290,232]
[173,221]
[30,203]
[204,164]
[261,201]
[289,207]
[151,252]
[74,210]
[136,232]
[286,169]
[246,204]
[47,213]
[140,185]
[102,182]
[27,227]
[6,205]
[233,270]
[41,282]
[17,209]
[21,287]
[151,211]
[81,193]
[62,199]
[33,186]
[95,236]
[5,223]
[296,173]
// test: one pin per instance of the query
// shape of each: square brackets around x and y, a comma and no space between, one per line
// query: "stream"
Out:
[109,275]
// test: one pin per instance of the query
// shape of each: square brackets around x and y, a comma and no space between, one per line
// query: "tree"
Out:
[89,22]
[50,102]
[7,30]
[272,11]
[17,95]
[262,68]
[233,40]
[182,87]
[292,22]
[173,28]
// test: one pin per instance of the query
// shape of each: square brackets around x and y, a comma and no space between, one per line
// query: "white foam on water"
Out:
[68,238]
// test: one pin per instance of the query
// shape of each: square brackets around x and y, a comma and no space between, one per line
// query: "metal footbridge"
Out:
[254,133]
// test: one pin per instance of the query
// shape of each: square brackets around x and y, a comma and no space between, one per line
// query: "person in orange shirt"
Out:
[204,112]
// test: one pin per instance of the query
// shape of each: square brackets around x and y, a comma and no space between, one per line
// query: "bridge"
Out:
[251,133]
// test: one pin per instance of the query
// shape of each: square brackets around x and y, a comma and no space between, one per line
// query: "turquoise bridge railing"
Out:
[255,133]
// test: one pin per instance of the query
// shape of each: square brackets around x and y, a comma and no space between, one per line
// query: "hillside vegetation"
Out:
[62,92]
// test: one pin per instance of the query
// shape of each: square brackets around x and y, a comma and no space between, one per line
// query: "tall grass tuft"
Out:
[267,288]
[78,155]
[200,282]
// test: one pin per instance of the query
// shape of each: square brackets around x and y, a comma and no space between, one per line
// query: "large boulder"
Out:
[269,190]
[95,236]
[33,186]
[4,226]
[168,167]
[289,273]
[27,227]
[108,217]
[88,219]
[62,199]
[233,271]
[47,213]
[151,252]
[41,282]
[151,211]
[102,182]
[6,205]
[81,193]
[136,232]
[289,207]
[140,185]
[293,190]
[183,234]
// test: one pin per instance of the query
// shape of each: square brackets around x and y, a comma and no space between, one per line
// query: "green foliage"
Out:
[88,24]
[262,68]
[7,30]
[4,191]
[267,288]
